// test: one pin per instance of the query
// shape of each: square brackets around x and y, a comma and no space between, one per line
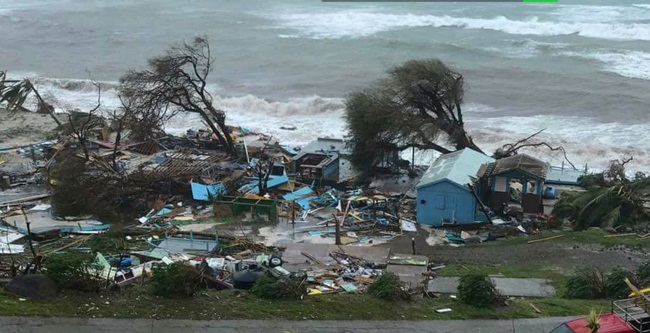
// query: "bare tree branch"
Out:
[179,79]
[511,149]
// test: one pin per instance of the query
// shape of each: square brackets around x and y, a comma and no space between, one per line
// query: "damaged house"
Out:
[443,194]
[319,160]
[516,182]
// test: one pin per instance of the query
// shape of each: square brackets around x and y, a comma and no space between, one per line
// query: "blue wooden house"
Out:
[443,194]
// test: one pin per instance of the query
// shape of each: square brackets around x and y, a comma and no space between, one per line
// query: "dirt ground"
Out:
[559,256]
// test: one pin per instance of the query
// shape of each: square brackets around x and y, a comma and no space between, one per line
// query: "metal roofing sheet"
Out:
[457,167]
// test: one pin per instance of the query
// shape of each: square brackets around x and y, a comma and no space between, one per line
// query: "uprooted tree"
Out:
[417,106]
[177,81]
[612,199]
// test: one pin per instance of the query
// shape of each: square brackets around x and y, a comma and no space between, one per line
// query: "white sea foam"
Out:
[595,13]
[645,6]
[632,64]
[526,48]
[352,24]
[586,140]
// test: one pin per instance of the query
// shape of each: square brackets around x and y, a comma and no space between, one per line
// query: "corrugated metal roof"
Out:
[457,167]
[521,162]
[185,245]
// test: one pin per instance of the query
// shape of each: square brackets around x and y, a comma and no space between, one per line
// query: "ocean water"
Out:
[580,69]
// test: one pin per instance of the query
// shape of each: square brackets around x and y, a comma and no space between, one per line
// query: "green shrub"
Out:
[388,287]
[175,280]
[74,270]
[269,287]
[478,290]
[643,274]
[586,283]
[615,286]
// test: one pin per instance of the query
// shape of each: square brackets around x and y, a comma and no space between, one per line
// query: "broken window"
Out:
[516,189]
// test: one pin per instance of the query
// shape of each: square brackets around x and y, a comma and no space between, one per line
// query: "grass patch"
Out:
[138,302]
[573,237]
[510,271]
[535,271]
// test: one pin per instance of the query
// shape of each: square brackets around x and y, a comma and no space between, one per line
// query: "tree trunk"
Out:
[215,130]
[221,122]
[118,138]
[42,103]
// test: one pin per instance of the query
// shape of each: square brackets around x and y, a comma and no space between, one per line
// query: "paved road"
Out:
[74,325]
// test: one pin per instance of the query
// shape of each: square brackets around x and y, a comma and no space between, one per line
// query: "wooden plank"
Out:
[544,239]
[365,280]
[312,258]
[535,308]
[620,235]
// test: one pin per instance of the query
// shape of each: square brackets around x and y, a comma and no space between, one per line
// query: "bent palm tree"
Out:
[14,93]
[606,207]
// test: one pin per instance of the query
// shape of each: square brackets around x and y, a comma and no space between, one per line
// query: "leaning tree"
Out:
[178,80]
[419,105]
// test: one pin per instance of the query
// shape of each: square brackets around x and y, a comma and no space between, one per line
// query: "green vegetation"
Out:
[269,287]
[643,273]
[387,287]
[593,322]
[576,238]
[478,290]
[586,283]
[72,270]
[139,302]
[511,271]
[175,280]
[611,199]
[590,283]
[615,286]
[417,105]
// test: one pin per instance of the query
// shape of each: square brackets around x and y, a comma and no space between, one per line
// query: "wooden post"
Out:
[480,203]
[413,159]
[337,228]
[293,211]
[413,244]
[29,232]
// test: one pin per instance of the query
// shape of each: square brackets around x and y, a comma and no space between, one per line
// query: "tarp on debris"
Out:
[303,197]
[274,181]
[204,192]
[297,194]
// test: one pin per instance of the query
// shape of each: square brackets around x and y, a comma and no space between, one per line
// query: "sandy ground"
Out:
[23,128]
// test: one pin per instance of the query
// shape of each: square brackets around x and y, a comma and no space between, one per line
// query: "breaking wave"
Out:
[631,64]
[354,24]
[596,13]
[526,48]
[305,118]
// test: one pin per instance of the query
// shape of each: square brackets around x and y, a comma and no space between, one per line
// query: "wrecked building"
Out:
[443,194]
[516,181]
[318,166]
